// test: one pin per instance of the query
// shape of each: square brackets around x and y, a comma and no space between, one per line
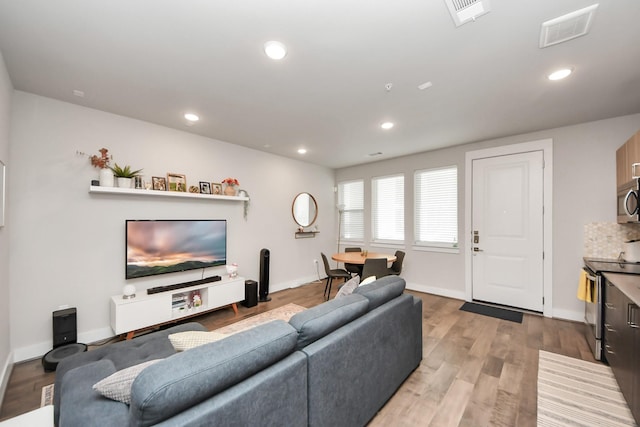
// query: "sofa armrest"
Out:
[122,354]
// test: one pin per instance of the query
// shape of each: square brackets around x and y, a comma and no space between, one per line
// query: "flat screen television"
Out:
[168,246]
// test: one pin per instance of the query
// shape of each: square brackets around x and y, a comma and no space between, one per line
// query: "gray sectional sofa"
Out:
[335,364]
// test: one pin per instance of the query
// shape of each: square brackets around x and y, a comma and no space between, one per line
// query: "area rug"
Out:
[573,392]
[46,398]
[281,313]
[487,310]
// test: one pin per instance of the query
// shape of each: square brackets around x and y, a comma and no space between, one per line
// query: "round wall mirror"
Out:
[304,209]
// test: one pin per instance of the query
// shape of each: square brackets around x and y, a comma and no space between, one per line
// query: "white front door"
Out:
[507,227]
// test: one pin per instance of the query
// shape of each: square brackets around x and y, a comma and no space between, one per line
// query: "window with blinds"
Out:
[436,207]
[388,209]
[351,196]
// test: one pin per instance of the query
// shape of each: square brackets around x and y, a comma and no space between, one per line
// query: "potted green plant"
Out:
[124,175]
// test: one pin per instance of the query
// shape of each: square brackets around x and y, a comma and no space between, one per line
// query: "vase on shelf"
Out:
[230,190]
[106,177]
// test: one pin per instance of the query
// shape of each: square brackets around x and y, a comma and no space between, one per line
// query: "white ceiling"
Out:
[154,60]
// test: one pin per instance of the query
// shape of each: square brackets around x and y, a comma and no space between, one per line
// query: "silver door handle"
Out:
[477,250]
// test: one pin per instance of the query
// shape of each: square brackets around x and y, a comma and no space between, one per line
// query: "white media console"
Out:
[145,311]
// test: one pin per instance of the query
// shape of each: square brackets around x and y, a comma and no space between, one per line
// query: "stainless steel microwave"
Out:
[629,202]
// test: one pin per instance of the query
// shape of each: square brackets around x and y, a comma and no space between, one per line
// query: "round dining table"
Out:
[359,258]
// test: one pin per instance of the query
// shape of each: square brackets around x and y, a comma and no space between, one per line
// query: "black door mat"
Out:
[487,310]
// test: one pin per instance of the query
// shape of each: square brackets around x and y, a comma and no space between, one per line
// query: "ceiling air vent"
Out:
[567,27]
[463,11]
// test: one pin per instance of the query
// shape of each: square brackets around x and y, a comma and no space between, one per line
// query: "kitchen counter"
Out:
[629,284]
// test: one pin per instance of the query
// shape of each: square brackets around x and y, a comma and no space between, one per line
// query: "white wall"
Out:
[6,90]
[67,246]
[583,191]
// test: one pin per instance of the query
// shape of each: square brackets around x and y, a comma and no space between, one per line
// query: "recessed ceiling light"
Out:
[275,50]
[560,74]
[191,117]
[386,125]
[302,150]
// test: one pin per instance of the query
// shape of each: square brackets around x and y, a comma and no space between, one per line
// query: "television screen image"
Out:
[169,246]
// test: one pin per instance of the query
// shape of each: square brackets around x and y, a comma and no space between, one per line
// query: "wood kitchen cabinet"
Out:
[626,156]
[622,342]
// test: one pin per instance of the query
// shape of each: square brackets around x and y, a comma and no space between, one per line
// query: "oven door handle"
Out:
[590,276]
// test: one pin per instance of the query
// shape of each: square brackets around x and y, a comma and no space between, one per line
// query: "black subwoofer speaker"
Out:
[264,276]
[250,293]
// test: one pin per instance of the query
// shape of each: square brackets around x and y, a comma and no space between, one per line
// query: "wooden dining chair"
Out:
[353,268]
[335,273]
[375,267]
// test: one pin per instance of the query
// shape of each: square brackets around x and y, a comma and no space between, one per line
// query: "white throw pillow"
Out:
[368,280]
[182,341]
[117,386]
[348,288]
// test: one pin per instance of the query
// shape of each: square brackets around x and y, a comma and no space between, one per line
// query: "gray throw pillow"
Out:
[348,288]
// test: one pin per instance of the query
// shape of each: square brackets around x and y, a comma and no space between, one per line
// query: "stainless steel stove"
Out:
[593,311]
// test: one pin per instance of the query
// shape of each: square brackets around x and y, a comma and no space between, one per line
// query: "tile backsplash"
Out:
[605,239]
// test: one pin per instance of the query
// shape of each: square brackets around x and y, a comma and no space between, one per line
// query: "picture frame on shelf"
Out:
[177,182]
[205,187]
[159,183]
[216,188]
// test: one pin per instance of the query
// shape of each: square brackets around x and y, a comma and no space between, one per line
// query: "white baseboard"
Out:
[443,292]
[7,367]
[40,349]
[576,316]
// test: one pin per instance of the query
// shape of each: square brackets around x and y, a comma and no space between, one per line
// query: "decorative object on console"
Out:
[128,291]
[159,183]
[193,189]
[205,187]
[231,184]
[216,188]
[177,182]
[232,270]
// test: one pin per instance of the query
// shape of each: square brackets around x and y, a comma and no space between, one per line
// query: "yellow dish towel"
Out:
[586,291]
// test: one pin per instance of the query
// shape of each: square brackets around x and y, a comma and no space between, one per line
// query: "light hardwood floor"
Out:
[476,370]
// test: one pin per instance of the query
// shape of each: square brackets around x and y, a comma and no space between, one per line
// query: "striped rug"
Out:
[573,392]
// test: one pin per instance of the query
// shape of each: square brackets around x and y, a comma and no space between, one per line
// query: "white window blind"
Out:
[436,207]
[388,209]
[351,196]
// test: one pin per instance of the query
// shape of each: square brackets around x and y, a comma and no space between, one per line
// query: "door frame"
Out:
[546,146]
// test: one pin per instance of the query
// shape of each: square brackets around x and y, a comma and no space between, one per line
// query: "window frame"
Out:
[435,246]
[374,217]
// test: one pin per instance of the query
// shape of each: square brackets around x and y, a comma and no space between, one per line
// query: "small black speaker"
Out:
[264,276]
[250,293]
[65,327]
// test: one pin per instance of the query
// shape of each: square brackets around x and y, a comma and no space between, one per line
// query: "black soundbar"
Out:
[166,288]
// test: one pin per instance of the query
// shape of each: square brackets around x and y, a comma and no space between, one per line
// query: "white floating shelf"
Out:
[94,189]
